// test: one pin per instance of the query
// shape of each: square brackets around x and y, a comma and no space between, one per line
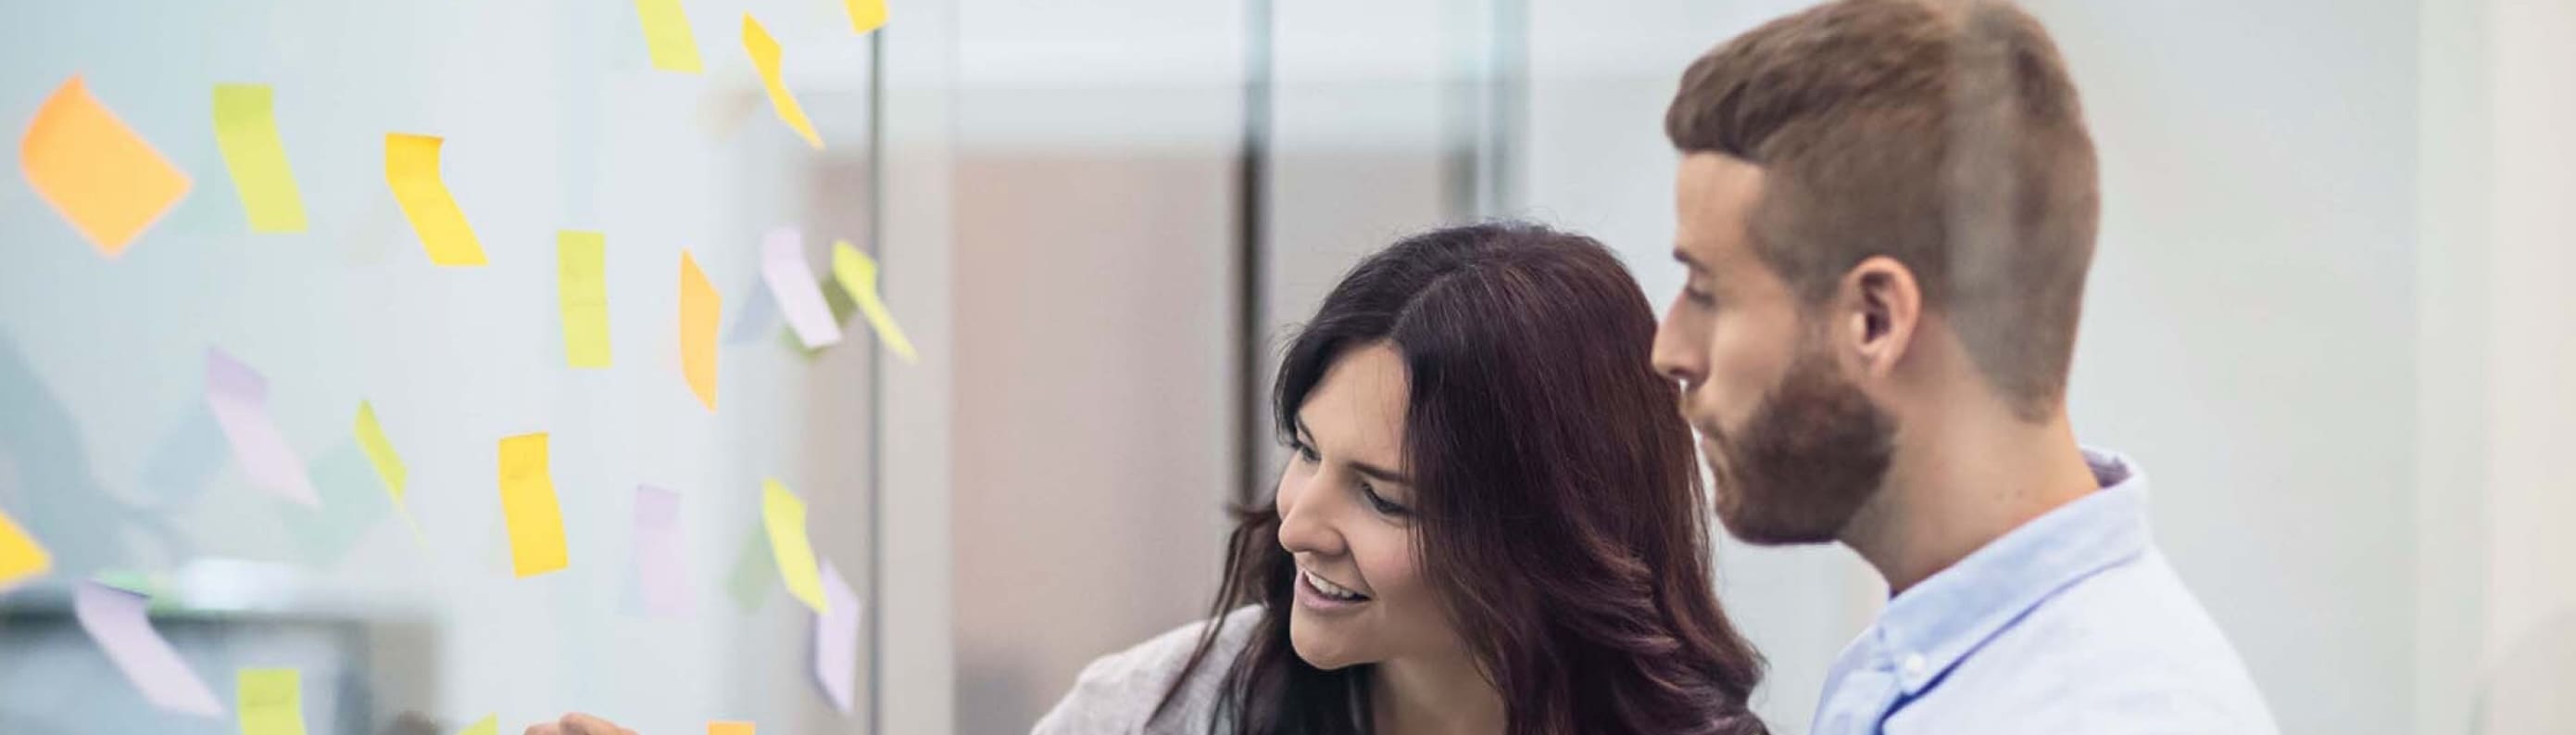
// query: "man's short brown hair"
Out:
[1947,137]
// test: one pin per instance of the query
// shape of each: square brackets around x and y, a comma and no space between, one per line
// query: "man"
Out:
[1887,209]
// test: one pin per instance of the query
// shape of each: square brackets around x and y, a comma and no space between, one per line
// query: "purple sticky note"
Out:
[116,620]
[658,562]
[782,267]
[836,639]
[239,398]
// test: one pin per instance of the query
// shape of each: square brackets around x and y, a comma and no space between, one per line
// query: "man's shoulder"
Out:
[2127,649]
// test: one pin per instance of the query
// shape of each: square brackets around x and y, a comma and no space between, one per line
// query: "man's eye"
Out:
[1699,297]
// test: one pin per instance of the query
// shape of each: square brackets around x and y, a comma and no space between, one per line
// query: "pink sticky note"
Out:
[116,620]
[836,639]
[783,269]
[658,561]
[239,397]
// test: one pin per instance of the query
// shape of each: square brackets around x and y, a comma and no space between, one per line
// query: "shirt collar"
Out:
[1939,621]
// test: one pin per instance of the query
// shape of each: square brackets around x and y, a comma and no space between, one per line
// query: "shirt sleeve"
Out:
[1118,693]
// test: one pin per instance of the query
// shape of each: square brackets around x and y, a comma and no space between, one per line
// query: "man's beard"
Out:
[1815,450]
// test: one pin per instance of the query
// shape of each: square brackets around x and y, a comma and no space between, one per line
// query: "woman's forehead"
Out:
[1358,408]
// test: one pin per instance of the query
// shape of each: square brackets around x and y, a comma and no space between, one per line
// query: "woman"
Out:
[1491,523]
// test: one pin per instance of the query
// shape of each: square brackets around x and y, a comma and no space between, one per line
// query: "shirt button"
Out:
[1914,665]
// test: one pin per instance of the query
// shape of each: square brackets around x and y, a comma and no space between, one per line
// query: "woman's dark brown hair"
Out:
[1557,500]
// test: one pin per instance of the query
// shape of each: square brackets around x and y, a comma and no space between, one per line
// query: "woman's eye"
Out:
[1382,504]
[1702,299]
[1304,452]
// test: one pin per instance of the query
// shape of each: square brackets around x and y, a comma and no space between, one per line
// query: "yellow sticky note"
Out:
[489,725]
[699,310]
[528,505]
[107,181]
[666,34]
[764,57]
[21,558]
[380,452]
[581,286]
[857,274]
[246,130]
[866,15]
[411,166]
[720,727]
[784,517]
[269,701]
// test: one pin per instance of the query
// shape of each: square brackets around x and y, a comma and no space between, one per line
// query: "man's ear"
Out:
[1880,307]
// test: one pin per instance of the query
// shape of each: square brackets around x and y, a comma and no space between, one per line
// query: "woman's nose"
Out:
[1305,522]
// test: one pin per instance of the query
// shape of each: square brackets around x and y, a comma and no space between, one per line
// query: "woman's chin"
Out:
[1318,649]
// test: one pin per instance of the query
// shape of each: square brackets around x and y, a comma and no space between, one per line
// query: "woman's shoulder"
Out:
[1117,693]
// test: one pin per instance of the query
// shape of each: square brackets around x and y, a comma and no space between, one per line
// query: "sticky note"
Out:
[21,558]
[700,308]
[581,287]
[185,458]
[411,166]
[109,182]
[246,131]
[728,728]
[753,575]
[271,701]
[489,725]
[353,500]
[764,57]
[784,517]
[758,315]
[239,397]
[118,621]
[836,640]
[659,559]
[528,506]
[666,34]
[783,272]
[858,276]
[380,452]
[866,15]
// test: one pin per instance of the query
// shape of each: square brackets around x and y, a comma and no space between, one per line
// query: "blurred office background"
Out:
[2325,317]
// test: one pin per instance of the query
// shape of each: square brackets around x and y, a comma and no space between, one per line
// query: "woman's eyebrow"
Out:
[1380,474]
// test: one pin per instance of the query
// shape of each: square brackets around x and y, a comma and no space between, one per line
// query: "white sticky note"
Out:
[661,562]
[239,397]
[800,297]
[836,640]
[119,623]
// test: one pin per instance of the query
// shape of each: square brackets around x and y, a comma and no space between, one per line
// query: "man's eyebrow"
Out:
[1684,258]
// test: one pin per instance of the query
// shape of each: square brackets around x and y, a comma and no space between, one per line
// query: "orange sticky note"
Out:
[699,309]
[721,727]
[764,58]
[21,558]
[866,15]
[110,183]
[528,507]
[411,166]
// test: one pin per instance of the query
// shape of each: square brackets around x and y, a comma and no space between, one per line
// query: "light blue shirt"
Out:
[2072,623]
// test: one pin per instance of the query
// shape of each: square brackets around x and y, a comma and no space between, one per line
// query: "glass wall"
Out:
[2324,317]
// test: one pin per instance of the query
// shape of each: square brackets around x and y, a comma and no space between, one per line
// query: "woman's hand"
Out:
[575,723]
